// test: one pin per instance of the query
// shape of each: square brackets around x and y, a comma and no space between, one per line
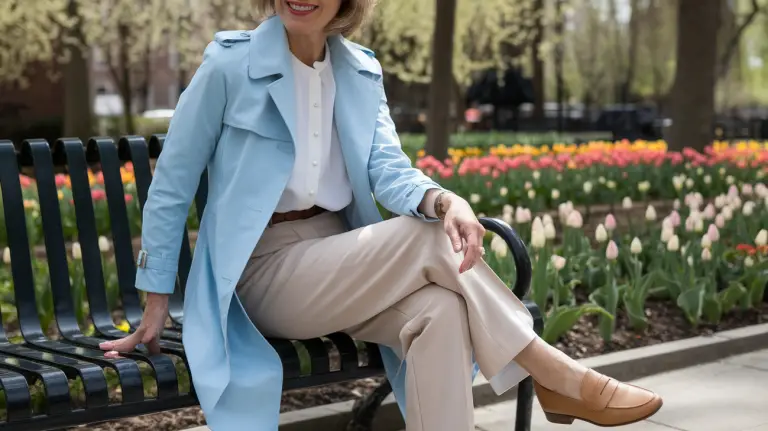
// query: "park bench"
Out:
[37,361]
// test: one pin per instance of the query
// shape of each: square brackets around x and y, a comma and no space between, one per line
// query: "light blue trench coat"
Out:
[237,118]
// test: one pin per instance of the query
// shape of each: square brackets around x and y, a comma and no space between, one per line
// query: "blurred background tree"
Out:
[539,63]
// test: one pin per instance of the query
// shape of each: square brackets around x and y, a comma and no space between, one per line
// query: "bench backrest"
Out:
[74,158]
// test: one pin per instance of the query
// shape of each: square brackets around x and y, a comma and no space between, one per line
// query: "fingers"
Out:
[471,253]
[474,248]
[453,234]
[125,344]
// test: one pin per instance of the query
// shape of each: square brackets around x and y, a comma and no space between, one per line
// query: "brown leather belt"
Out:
[296,215]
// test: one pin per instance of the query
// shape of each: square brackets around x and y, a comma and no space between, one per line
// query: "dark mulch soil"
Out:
[667,323]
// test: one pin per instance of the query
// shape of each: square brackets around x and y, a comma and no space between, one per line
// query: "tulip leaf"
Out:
[562,319]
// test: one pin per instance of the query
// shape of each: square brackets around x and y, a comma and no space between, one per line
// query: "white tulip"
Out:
[104,245]
[499,247]
[601,235]
[727,213]
[729,179]
[748,208]
[558,262]
[667,234]
[650,213]
[7,256]
[706,241]
[575,220]
[674,243]
[762,238]
[676,204]
[537,224]
[644,186]
[626,203]
[77,253]
[538,240]
[636,247]
[503,191]
[707,179]
[611,184]
[547,219]
[749,262]
[690,260]
[555,194]
[536,175]
[531,194]
[508,209]
[549,231]
[507,217]
[587,187]
[689,183]
[521,216]
[474,198]
[706,255]
[698,225]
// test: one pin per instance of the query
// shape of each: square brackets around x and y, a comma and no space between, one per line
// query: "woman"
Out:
[292,123]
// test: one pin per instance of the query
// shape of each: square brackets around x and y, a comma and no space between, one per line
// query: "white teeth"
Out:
[301,8]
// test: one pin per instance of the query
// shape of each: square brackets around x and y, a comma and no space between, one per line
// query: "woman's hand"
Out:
[464,229]
[148,332]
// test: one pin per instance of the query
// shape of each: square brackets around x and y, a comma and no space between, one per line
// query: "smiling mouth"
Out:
[301,8]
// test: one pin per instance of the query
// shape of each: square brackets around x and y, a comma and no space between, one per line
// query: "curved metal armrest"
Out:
[519,253]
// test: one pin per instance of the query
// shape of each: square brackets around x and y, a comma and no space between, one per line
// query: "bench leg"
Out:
[524,405]
[365,408]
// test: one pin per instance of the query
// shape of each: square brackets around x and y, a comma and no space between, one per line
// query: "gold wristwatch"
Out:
[439,206]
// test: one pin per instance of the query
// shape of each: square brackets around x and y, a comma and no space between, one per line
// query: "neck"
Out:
[307,48]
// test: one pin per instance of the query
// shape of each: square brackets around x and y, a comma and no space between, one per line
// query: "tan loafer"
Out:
[605,402]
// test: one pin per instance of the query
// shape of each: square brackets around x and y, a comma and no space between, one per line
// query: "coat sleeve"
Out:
[397,185]
[189,145]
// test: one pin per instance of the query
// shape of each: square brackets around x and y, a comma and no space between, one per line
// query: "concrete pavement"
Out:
[729,395]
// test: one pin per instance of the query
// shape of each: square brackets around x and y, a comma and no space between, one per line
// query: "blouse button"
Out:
[314,163]
[316,105]
[316,134]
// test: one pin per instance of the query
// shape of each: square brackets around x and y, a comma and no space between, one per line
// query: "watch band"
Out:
[439,210]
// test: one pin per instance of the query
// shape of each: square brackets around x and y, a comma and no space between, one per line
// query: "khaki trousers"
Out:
[394,283]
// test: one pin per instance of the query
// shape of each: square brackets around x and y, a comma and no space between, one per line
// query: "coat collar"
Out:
[270,55]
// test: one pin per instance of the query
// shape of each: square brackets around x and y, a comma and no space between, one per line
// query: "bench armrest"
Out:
[518,250]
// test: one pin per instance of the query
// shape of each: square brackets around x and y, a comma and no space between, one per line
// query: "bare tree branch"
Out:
[733,43]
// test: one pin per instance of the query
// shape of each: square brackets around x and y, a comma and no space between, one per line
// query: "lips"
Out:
[300,8]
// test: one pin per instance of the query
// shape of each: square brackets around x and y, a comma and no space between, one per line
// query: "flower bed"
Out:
[693,262]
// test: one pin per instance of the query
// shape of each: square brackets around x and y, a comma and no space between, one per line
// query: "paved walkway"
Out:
[731,395]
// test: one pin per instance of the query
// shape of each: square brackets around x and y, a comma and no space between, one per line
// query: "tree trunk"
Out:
[559,82]
[634,34]
[538,62]
[146,81]
[78,118]
[438,120]
[126,87]
[692,98]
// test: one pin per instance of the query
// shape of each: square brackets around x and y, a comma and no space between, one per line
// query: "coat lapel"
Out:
[356,108]
[270,56]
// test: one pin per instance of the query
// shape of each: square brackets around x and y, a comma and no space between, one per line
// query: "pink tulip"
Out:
[720,220]
[674,217]
[610,222]
[713,233]
[709,212]
[612,251]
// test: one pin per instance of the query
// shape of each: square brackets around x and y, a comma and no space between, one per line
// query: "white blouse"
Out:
[319,176]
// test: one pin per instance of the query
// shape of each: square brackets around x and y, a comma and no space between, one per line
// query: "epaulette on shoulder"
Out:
[367,51]
[231,37]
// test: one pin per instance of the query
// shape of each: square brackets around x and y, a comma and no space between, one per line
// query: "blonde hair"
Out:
[352,14]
